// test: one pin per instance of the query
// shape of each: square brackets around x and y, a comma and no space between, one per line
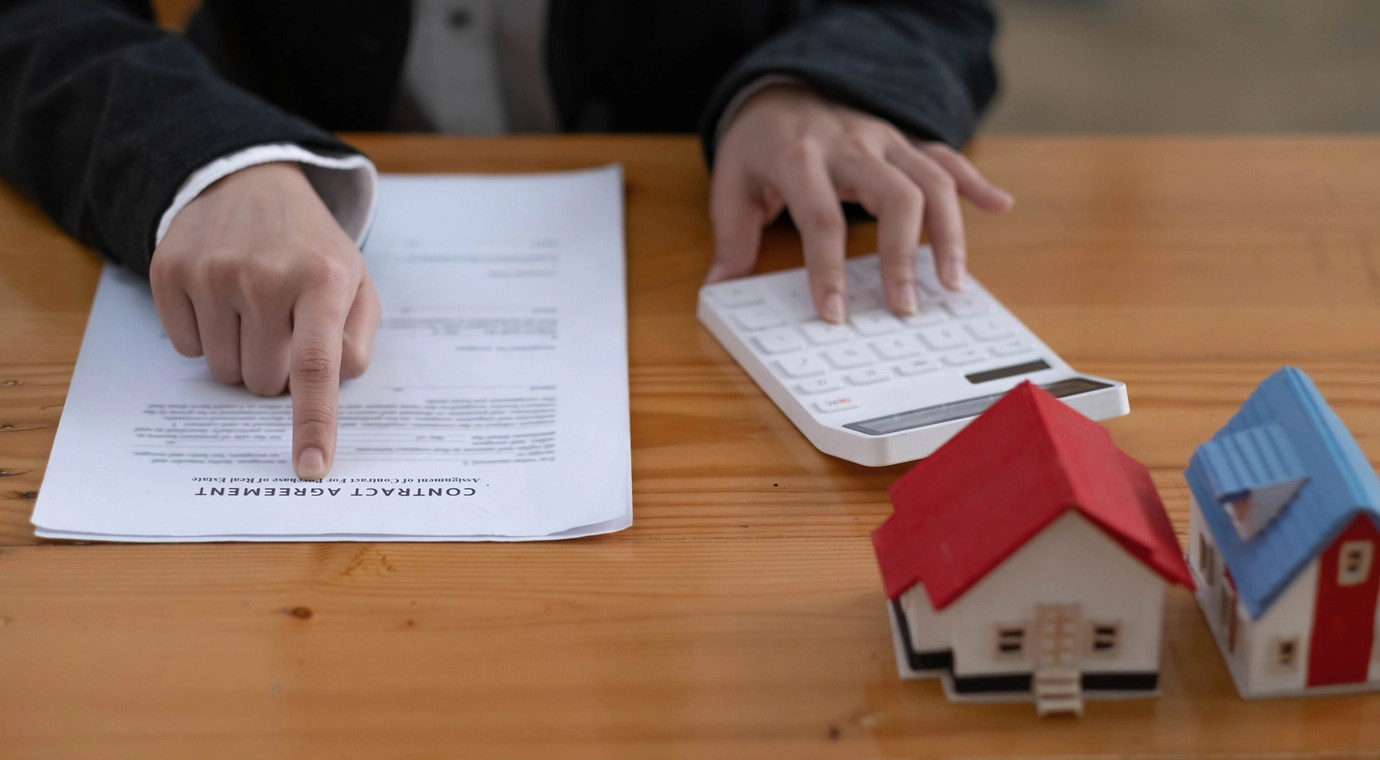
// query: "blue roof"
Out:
[1237,463]
[1340,484]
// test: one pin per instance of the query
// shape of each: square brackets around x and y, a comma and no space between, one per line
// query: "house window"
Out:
[1286,656]
[1205,557]
[1226,605]
[1010,642]
[1106,639]
[1353,568]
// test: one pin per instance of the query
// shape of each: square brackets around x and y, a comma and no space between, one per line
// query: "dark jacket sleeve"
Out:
[924,66]
[103,116]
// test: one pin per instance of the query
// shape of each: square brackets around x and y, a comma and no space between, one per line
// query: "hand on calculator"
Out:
[882,388]
[790,148]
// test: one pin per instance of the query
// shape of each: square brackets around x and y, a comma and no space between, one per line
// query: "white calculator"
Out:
[882,389]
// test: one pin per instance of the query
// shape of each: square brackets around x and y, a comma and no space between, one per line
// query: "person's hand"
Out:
[791,148]
[256,274]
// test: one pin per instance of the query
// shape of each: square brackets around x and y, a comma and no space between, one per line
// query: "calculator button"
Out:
[823,333]
[989,328]
[964,356]
[819,385]
[863,299]
[802,365]
[757,318]
[868,376]
[862,271]
[864,263]
[797,302]
[898,347]
[928,279]
[778,341]
[927,313]
[1011,346]
[965,305]
[837,404]
[848,357]
[917,366]
[736,294]
[875,322]
[943,337]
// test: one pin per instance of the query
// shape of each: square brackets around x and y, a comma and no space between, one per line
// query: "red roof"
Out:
[1004,478]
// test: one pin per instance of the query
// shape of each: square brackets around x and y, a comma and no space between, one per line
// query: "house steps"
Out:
[1057,690]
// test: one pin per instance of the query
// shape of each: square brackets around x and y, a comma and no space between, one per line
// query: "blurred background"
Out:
[1269,66]
[1188,66]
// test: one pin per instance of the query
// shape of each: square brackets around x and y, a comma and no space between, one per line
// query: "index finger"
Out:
[815,209]
[317,338]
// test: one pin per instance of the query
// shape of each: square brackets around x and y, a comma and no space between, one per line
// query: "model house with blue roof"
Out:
[1283,529]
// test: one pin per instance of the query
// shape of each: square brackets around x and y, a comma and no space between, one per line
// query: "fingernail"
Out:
[716,272]
[903,297]
[833,308]
[953,275]
[311,464]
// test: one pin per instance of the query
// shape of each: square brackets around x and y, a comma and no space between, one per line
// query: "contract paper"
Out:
[495,408]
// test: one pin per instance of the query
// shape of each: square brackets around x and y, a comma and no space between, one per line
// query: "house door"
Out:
[1344,618]
[1058,636]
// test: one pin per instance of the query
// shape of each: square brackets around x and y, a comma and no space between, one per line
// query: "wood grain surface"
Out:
[742,614]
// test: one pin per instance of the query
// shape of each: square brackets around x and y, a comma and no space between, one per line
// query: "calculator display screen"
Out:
[959,410]
[1001,372]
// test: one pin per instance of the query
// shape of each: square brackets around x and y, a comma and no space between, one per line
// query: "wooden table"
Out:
[742,614]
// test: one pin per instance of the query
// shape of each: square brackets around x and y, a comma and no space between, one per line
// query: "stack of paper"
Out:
[496,406]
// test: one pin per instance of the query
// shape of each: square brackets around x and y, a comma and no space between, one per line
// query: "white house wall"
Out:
[1070,561]
[1290,616]
[929,630]
[1208,594]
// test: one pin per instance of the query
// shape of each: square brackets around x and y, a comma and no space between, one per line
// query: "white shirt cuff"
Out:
[736,104]
[347,184]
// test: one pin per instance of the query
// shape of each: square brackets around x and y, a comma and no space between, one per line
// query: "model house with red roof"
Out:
[1283,530]
[1028,559]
